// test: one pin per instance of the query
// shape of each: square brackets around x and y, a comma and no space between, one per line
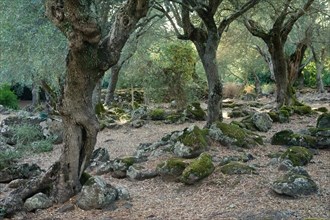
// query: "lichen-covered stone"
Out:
[194,111]
[198,169]
[323,121]
[19,171]
[299,156]
[139,172]
[121,165]
[237,168]
[262,121]
[233,135]
[295,183]
[191,143]
[96,194]
[171,168]
[288,137]
[38,201]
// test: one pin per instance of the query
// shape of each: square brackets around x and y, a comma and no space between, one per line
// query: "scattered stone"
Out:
[138,123]
[121,165]
[140,113]
[19,171]
[262,121]
[53,128]
[66,208]
[123,193]
[237,168]
[233,135]
[191,143]
[273,215]
[38,201]
[243,158]
[323,121]
[285,165]
[16,183]
[287,137]
[299,156]
[138,172]
[281,116]
[322,109]
[171,169]
[96,194]
[295,183]
[100,155]
[302,110]
[198,169]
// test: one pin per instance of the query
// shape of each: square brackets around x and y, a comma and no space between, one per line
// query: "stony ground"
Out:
[217,197]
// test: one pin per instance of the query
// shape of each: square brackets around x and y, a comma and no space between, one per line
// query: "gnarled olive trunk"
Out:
[80,122]
[283,93]
[208,56]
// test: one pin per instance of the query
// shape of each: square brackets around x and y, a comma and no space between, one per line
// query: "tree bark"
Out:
[112,84]
[319,62]
[35,96]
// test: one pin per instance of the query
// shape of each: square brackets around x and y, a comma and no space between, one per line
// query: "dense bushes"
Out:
[7,97]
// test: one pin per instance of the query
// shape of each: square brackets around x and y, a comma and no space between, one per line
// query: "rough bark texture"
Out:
[275,39]
[112,84]
[319,61]
[206,41]
[88,58]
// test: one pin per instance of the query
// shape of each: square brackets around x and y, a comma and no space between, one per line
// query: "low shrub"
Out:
[232,90]
[8,97]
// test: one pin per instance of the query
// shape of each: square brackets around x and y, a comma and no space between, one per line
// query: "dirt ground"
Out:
[217,197]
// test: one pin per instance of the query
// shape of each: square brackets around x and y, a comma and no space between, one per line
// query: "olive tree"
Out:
[94,46]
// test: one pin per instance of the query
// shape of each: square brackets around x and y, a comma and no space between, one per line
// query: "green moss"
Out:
[302,110]
[128,161]
[172,167]
[237,168]
[196,137]
[322,109]
[198,169]
[323,121]
[282,137]
[173,118]
[299,156]
[86,179]
[288,109]
[195,111]
[243,138]
[274,155]
[302,140]
[157,114]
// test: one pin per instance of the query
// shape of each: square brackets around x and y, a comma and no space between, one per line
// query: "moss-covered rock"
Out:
[171,168]
[323,121]
[299,156]
[191,143]
[84,178]
[121,165]
[237,168]
[198,169]
[282,137]
[232,135]
[157,114]
[288,137]
[322,109]
[194,111]
[281,116]
[175,118]
[302,110]
[295,183]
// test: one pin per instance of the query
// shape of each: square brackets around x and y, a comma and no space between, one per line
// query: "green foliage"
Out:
[7,97]
[26,134]
[34,48]
[30,139]
[310,74]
